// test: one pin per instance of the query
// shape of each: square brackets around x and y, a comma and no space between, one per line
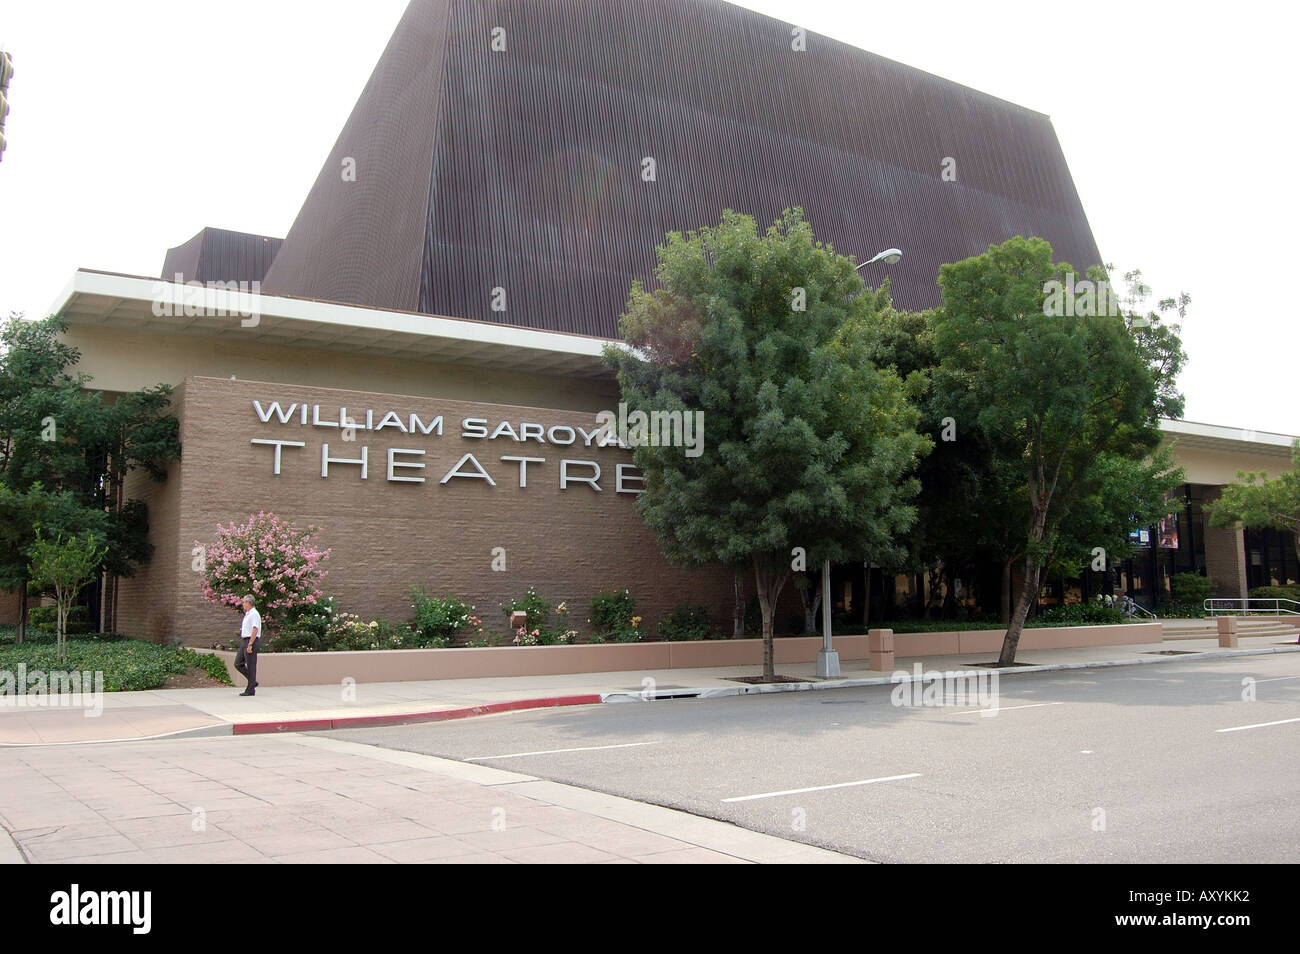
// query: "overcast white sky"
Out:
[136,123]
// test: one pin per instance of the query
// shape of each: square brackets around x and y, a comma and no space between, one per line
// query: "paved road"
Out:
[1107,765]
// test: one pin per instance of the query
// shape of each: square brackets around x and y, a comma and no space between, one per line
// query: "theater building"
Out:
[420,371]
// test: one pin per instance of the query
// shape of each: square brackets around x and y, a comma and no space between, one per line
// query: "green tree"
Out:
[969,503]
[1256,501]
[1056,395]
[66,450]
[808,443]
[65,566]
[1119,495]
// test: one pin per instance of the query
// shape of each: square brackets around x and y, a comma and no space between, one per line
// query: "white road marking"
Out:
[585,748]
[1257,725]
[822,788]
[1277,678]
[1035,705]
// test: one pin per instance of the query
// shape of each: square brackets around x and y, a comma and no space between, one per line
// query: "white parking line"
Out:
[1034,705]
[822,788]
[1277,678]
[585,748]
[1257,725]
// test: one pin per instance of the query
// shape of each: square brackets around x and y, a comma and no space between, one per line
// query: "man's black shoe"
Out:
[248,692]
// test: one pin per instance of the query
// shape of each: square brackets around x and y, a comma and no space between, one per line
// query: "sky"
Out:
[136,123]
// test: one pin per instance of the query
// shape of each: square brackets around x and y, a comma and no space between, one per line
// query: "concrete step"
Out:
[1246,627]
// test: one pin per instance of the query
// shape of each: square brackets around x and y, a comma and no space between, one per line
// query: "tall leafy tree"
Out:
[65,452]
[969,503]
[808,442]
[1056,395]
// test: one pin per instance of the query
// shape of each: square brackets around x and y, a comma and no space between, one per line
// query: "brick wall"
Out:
[146,602]
[1225,561]
[386,535]
[9,607]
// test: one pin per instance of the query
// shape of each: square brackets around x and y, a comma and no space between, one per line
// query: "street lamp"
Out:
[890,256]
[828,660]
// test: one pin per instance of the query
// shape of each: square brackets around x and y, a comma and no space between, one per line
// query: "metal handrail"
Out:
[1139,609]
[1249,606]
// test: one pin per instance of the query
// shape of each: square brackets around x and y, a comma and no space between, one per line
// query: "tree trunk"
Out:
[21,631]
[738,610]
[949,597]
[769,642]
[61,626]
[811,603]
[1028,590]
[769,588]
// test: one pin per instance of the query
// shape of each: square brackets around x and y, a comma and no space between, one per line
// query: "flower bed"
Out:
[305,669]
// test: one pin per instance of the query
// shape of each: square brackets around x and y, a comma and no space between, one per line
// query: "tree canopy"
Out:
[809,443]
[65,451]
[1071,401]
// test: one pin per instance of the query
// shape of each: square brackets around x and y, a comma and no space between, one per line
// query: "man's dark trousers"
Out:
[246,662]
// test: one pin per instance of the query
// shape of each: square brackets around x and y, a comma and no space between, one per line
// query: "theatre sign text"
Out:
[341,448]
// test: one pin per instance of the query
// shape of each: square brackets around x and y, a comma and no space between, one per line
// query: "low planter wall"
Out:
[403,665]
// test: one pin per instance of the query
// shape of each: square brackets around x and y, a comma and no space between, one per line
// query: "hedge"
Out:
[127,664]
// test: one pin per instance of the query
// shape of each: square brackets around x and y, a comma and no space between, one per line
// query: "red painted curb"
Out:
[440,715]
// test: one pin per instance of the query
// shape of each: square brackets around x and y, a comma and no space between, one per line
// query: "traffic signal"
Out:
[6,72]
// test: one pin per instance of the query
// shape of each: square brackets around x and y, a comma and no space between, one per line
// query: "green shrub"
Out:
[348,632]
[214,666]
[313,619]
[47,618]
[1092,613]
[1276,593]
[1176,610]
[1190,588]
[40,636]
[127,664]
[612,612]
[688,623]
[537,609]
[438,621]
[293,641]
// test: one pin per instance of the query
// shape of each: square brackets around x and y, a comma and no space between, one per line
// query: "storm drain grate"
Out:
[664,692]
[1171,652]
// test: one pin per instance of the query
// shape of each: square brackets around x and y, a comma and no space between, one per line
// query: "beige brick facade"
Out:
[386,535]
[146,601]
[1225,561]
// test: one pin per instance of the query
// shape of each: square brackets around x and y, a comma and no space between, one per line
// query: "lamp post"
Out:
[828,660]
[890,256]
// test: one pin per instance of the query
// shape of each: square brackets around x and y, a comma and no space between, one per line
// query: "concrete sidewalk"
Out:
[222,711]
[310,799]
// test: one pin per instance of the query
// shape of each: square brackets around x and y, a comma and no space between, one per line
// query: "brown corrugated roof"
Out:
[522,169]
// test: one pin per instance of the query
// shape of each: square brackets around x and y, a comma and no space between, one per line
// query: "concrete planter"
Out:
[402,665]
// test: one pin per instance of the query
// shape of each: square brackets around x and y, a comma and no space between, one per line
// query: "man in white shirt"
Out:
[246,660]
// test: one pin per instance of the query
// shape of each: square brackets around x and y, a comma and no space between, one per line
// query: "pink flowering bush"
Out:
[279,564]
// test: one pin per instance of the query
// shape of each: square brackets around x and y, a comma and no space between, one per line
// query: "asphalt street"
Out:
[1177,762]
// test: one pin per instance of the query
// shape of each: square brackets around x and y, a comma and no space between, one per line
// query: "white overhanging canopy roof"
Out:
[1193,436]
[109,300]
